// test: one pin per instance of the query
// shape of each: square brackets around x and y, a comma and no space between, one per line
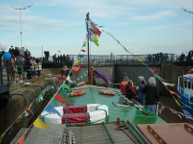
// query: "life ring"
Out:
[106,92]
[90,113]
[77,93]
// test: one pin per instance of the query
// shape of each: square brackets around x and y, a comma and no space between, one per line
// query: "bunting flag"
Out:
[94,38]
[160,78]
[19,119]
[174,93]
[153,70]
[141,58]
[65,86]
[21,139]
[83,50]
[81,55]
[148,63]
[16,122]
[180,114]
[100,75]
[60,98]
[84,44]
[10,129]
[49,108]
[93,28]
[93,32]
[2,136]
[29,109]
[75,68]
[77,62]
[40,124]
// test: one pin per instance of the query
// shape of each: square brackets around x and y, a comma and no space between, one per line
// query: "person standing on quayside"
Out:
[123,85]
[67,72]
[61,78]
[130,91]
[141,84]
[151,95]
[20,64]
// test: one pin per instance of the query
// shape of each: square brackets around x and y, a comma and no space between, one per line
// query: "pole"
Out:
[20,18]
[87,18]
[20,12]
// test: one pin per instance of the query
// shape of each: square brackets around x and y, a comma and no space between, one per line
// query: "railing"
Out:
[126,59]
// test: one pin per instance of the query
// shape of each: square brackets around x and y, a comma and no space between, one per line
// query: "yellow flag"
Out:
[40,124]
[77,62]
[141,58]
[1,138]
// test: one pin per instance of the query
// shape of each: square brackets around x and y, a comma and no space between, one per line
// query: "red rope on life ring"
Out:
[77,93]
[106,92]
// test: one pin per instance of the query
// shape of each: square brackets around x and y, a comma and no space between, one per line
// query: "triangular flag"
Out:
[77,62]
[148,63]
[159,77]
[84,44]
[141,58]
[49,108]
[174,93]
[81,56]
[21,139]
[1,138]
[10,128]
[19,119]
[94,38]
[75,68]
[60,98]
[30,110]
[40,124]
[66,86]
[83,50]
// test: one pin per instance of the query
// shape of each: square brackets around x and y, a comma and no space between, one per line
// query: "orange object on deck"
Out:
[106,92]
[77,93]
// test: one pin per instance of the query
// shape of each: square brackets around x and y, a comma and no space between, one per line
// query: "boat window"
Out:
[181,82]
[192,85]
[189,85]
[185,84]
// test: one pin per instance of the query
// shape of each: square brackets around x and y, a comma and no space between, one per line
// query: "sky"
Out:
[142,26]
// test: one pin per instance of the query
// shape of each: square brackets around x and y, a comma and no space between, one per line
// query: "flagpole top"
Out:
[87,16]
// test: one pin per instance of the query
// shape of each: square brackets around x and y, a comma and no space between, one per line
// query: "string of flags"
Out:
[179,114]
[81,76]
[25,113]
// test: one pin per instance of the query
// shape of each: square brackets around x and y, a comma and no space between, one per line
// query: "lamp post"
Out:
[20,16]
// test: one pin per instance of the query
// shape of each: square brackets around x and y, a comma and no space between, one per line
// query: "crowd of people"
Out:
[186,60]
[144,92]
[158,57]
[22,61]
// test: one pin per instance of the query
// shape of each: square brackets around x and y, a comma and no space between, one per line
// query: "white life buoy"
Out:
[90,113]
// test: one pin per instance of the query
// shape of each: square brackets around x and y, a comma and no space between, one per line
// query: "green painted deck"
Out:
[92,96]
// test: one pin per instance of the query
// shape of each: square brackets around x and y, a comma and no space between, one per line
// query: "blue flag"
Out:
[49,108]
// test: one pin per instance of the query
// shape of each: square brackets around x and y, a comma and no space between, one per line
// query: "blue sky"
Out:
[142,26]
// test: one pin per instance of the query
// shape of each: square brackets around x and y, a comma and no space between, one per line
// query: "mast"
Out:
[87,19]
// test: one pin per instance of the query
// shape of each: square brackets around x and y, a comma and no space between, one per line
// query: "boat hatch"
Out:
[171,133]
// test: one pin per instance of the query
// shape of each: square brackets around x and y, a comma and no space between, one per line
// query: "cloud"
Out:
[155,16]
[154,28]
[9,20]
[99,9]
[159,3]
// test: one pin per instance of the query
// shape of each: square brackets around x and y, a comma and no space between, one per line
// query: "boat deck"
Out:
[92,96]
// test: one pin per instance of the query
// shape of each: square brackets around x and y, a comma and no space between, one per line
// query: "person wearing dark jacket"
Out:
[130,91]
[151,95]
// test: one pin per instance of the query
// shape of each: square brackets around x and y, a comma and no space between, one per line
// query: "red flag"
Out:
[21,140]
[60,98]
[76,68]
[83,50]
